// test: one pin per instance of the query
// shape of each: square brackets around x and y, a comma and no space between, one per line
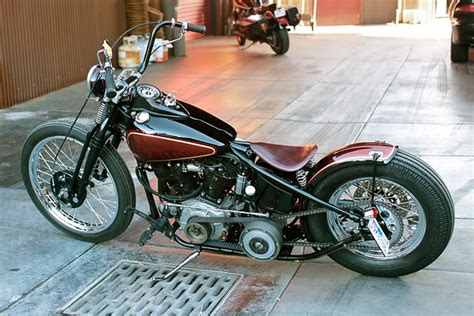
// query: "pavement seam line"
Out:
[34,288]
[383,95]
[278,299]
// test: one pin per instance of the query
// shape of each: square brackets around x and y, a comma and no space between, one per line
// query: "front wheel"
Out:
[101,216]
[279,41]
[240,40]
[413,202]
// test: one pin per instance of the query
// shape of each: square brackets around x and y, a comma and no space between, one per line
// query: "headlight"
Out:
[96,81]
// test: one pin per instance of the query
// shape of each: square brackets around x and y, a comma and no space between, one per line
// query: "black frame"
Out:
[99,135]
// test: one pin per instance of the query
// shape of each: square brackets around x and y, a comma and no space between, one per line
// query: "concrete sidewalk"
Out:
[392,83]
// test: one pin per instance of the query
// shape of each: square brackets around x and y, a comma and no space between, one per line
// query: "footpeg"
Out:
[146,236]
[161,224]
[188,259]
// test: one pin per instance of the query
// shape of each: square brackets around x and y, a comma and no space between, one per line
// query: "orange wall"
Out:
[338,12]
[50,44]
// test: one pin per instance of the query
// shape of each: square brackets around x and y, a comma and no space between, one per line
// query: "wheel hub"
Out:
[61,187]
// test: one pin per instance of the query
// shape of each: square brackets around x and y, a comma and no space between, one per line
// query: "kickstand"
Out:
[245,48]
[196,252]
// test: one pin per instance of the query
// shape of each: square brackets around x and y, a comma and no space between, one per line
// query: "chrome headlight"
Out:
[96,81]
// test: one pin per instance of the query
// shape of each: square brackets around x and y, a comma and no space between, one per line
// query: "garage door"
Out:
[337,12]
[194,11]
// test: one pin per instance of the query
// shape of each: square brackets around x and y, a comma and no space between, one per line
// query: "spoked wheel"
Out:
[279,41]
[413,202]
[400,210]
[100,217]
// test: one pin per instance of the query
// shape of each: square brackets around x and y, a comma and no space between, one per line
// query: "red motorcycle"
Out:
[264,23]
[372,207]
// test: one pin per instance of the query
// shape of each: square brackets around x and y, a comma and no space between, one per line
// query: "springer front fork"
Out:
[86,166]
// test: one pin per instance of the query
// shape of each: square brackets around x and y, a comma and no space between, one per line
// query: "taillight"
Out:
[465,8]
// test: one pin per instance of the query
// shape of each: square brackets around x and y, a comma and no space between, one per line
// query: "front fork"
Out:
[95,141]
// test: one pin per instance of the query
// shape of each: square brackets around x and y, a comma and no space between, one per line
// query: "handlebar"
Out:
[110,91]
[184,25]
[195,28]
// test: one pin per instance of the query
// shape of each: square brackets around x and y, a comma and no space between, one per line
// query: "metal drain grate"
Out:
[128,289]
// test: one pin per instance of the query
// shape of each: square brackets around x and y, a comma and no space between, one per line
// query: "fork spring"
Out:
[102,113]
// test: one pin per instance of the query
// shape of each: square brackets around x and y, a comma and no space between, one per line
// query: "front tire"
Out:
[240,40]
[414,200]
[280,41]
[101,217]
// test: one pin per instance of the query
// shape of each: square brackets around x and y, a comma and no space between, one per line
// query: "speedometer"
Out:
[148,91]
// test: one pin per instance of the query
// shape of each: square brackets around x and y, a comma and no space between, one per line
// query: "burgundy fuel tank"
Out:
[167,137]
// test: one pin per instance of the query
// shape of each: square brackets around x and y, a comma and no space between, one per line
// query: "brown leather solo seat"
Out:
[283,157]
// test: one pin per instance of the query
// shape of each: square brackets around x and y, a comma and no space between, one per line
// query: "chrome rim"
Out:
[399,208]
[100,208]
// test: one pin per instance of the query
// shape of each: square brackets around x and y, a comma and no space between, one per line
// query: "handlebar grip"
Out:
[109,83]
[196,28]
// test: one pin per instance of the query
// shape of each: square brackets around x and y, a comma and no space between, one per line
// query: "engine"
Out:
[202,188]
[212,179]
[209,188]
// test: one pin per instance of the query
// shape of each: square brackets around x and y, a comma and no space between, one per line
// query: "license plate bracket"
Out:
[379,236]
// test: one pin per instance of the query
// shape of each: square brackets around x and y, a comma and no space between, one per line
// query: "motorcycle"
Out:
[370,206]
[264,23]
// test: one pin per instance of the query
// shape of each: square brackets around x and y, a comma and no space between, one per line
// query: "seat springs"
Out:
[302,177]
[102,113]
[312,162]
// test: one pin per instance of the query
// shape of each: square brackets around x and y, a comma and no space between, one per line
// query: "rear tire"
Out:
[459,52]
[432,230]
[101,217]
[280,42]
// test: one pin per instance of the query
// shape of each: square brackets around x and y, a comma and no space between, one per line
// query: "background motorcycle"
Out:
[373,208]
[264,23]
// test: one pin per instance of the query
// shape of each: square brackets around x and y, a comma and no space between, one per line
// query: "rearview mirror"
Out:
[107,49]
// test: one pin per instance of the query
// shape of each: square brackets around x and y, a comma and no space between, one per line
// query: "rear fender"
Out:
[356,152]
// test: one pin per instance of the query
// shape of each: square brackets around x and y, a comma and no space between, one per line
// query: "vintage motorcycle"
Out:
[371,206]
[264,23]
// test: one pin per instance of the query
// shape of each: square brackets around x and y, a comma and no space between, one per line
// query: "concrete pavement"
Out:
[344,84]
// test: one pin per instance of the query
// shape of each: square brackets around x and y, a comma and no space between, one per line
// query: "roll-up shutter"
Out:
[194,11]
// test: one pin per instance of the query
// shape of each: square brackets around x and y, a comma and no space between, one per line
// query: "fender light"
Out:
[371,213]
[467,8]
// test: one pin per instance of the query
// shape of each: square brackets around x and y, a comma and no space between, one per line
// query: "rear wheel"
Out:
[101,216]
[413,201]
[459,52]
[279,41]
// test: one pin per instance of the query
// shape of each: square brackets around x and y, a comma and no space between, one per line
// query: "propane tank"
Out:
[129,53]
[142,41]
[158,50]
[162,54]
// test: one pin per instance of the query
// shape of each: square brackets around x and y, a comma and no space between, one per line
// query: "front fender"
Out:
[352,153]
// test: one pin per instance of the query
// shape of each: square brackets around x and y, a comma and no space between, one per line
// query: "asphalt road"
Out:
[344,84]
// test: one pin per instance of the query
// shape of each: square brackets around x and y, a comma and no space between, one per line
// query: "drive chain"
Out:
[299,214]
[322,245]
[313,244]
